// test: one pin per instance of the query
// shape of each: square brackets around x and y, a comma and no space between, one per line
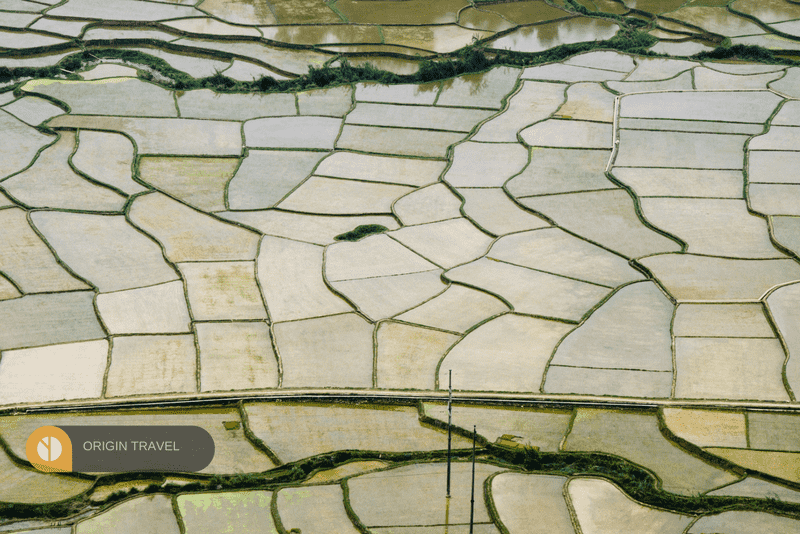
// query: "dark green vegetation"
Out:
[471,59]
[641,484]
[361,231]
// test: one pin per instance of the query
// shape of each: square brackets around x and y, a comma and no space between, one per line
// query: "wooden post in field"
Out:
[449,428]
[472,500]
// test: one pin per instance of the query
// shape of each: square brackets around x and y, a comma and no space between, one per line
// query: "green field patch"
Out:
[640,148]
[784,306]
[697,183]
[607,218]
[56,372]
[729,368]
[29,486]
[706,428]
[189,235]
[523,501]
[335,474]
[208,26]
[540,428]
[184,137]
[32,110]
[128,518]
[480,90]
[405,171]
[244,512]
[292,132]
[239,11]
[399,141]
[246,71]
[636,437]
[773,167]
[781,465]
[555,251]
[743,521]
[457,309]
[446,243]
[321,428]
[114,96]
[528,291]
[775,199]
[333,351]
[331,101]
[451,119]
[27,260]
[315,509]
[553,170]
[35,320]
[105,250]
[423,94]
[384,296]
[721,227]
[604,60]
[22,41]
[570,73]
[429,204]
[253,188]
[708,80]
[407,356]
[330,196]
[776,431]
[616,382]
[245,347]
[290,276]
[377,255]
[146,365]
[107,158]
[521,347]
[159,309]
[492,210]
[601,506]
[568,134]
[533,102]
[721,320]
[199,182]
[51,183]
[588,101]
[415,495]
[629,331]
[223,290]
[689,277]
[207,104]
[758,489]
[484,164]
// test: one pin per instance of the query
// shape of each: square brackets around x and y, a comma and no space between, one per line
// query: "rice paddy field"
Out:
[293,223]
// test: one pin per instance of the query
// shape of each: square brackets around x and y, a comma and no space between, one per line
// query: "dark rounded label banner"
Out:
[115,449]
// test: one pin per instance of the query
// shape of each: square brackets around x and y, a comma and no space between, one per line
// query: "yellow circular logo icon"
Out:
[49,449]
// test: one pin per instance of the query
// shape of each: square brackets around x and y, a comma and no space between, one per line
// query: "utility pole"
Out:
[472,500]
[449,428]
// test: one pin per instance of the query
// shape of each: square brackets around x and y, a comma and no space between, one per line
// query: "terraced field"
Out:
[303,217]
